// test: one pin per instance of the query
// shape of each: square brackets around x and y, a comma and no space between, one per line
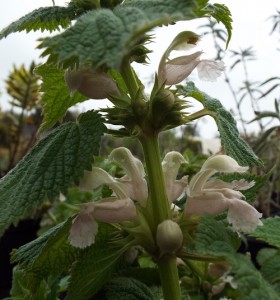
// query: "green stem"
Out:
[157,193]
[169,278]
[158,207]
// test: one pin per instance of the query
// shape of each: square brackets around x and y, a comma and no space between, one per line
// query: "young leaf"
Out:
[270,232]
[95,265]
[44,18]
[50,167]
[231,141]
[51,253]
[23,284]
[221,13]
[118,30]
[56,96]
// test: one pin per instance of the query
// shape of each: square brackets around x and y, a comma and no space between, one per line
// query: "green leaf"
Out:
[269,232]
[127,288]
[231,141]
[51,253]
[222,14]
[250,283]
[50,167]
[44,18]
[270,269]
[105,37]
[56,96]
[212,237]
[95,265]
[22,287]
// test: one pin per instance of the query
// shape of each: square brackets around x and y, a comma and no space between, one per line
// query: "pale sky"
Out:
[250,28]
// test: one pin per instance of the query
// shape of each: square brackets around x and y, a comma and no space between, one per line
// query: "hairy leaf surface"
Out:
[56,96]
[95,265]
[105,37]
[44,18]
[270,232]
[50,167]
[51,253]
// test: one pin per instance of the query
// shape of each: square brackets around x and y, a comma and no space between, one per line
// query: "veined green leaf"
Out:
[270,232]
[44,18]
[56,96]
[105,37]
[51,253]
[222,14]
[50,167]
[270,267]
[250,283]
[213,238]
[231,141]
[95,265]
[127,288]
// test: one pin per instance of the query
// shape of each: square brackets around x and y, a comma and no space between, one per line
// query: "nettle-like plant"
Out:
[149,235]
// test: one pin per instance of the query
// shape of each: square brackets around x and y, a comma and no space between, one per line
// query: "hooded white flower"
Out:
[173,71]
[213,196]
[116,209]
[92,84]
[170,166]
[131,187]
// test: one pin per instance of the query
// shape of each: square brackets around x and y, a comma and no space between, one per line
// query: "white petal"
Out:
[170,165]
[239,185]
[223,163]
[210,202]
[98,177]
[134,180]
[210,70]
[114,211]
[198,182]
[177,69]
[83,230]
[243,216]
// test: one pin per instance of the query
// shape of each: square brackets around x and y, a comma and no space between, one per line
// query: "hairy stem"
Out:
[159,210]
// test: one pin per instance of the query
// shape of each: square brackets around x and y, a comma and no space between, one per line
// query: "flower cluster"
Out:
[204,195]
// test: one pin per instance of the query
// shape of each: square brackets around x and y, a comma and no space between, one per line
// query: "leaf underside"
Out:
[232,143]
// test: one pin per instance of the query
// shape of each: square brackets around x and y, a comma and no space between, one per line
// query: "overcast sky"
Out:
[250,28]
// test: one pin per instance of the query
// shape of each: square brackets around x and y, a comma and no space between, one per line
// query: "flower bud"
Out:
[169,236]
[90,83]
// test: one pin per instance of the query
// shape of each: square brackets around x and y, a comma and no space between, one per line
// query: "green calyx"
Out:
[141,232]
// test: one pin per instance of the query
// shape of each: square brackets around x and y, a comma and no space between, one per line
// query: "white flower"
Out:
[134,180]
[170,166]
[92,84]
[173,71]
[213,196]
[116,209]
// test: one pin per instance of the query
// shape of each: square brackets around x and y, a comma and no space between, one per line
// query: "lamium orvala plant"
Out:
[152,232]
